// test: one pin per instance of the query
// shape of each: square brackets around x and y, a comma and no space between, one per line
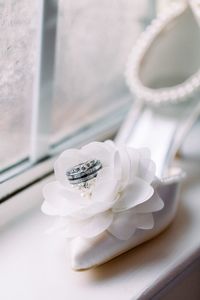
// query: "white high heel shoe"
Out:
[161,117]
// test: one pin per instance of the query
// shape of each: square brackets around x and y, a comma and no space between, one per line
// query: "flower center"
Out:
[83,176]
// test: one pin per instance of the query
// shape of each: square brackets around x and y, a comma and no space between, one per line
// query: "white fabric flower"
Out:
[122,197]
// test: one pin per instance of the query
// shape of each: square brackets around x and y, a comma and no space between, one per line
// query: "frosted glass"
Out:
[18,26]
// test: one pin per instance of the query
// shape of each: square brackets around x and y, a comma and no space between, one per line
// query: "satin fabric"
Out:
[88,253]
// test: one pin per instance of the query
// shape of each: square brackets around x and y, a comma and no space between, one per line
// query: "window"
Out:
[62,66]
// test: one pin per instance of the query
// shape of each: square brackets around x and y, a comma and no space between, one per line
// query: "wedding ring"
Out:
[84,172]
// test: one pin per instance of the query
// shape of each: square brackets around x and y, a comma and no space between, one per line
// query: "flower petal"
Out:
[147,170]
[144,221]
[97,225]
[104,174]
[135,194]
[110,145]
[58,225]
[97,150]
[155,203]
[60,201]
[123,165]
[103,198]
[71,229]
[123,225]
[92,209]
[48,209]
[134,156]
[105,190]
[91,227]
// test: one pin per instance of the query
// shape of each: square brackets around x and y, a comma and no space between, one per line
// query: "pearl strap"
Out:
[190,88]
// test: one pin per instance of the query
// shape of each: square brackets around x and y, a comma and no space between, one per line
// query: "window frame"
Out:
[44,82]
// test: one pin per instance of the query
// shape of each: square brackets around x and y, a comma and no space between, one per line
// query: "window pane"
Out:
[18,20]
[93,43]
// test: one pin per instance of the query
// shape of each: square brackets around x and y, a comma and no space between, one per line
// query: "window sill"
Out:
[35,265]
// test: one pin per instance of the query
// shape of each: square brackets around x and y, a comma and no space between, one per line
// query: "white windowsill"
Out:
[36,266]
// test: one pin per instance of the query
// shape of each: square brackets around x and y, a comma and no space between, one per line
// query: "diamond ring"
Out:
[84,172]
